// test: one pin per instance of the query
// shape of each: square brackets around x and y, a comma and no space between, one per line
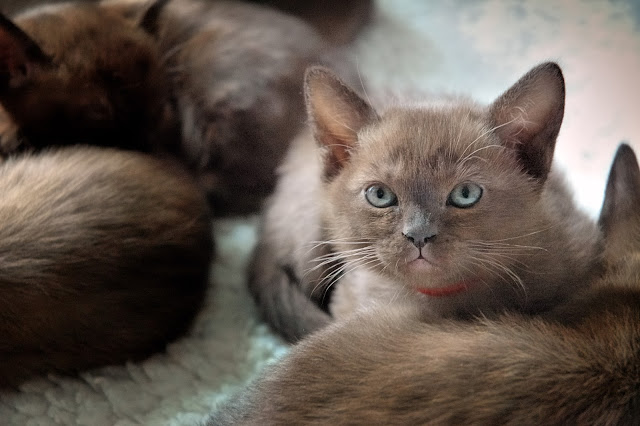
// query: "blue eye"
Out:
[465,195]
[380,196]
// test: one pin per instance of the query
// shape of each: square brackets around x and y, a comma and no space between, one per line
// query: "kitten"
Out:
[215,82]
[451,205]
[580,366]
[237,70]
[74,73]
[105,257]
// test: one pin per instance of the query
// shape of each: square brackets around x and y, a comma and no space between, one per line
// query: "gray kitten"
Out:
[580,365]
[449,205]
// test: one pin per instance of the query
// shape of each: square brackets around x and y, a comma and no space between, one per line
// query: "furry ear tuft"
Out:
[337,114]
[528,117]
[18,54]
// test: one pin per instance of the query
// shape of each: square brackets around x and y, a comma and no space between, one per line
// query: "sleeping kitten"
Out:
[105,257]
[449,205]
[237,70]
[215,82]
[579,366]
[73,74]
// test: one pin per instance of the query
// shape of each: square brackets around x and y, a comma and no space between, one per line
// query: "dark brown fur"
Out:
[105,258]
[215,82]
[523,246]
[74,74]
[579,366]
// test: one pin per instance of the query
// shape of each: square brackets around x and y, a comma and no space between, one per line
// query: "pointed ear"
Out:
[337,114]
[622,196]
[149,20]
[528,116]
[18,55]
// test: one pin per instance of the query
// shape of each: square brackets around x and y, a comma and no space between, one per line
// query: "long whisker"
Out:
[523,235]
[342,241]
[499,267]
[336,257]
[345,253]
[470,155]
[344,269]
[486,133]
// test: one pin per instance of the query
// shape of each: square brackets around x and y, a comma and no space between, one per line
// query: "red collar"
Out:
[446,291]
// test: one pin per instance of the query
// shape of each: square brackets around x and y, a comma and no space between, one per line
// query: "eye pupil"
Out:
[465,195]
[380,196]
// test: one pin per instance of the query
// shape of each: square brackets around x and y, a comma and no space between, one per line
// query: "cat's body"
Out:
[520,244]
[579,365]
[215,82]
[237,70]
[105,258]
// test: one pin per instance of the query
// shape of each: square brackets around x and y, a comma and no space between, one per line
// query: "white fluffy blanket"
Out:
[479,48]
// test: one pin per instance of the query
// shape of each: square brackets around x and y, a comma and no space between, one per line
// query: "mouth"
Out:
[420,264]
[449,290]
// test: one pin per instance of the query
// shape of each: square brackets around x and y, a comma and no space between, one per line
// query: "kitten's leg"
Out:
[279,295]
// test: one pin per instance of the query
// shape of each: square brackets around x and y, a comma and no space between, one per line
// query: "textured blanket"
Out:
[478,48]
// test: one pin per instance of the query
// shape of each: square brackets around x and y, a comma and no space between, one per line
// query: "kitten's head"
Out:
[620,215]
[446,199]
[82,74]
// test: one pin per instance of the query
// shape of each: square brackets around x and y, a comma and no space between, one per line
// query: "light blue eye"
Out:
[465,195]
[380,196]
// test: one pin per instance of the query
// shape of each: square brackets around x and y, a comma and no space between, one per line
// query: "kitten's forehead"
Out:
[430,135]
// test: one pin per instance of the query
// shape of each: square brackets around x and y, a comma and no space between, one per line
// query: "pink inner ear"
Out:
[529,117]
[338,118]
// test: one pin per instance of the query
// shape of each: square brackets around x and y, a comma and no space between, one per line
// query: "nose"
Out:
[419,227]
[420,237]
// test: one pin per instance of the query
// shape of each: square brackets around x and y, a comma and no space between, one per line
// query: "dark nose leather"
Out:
[419,229]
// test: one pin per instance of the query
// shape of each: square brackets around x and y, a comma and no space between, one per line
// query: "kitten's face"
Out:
[423,198]
[98,78]
[445,200]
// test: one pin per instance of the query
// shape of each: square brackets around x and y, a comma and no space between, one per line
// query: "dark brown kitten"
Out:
[580,366]
[215,82]
[449,205]
[105,258]
[75,73]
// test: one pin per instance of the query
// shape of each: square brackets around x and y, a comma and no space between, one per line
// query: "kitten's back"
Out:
[105,258]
